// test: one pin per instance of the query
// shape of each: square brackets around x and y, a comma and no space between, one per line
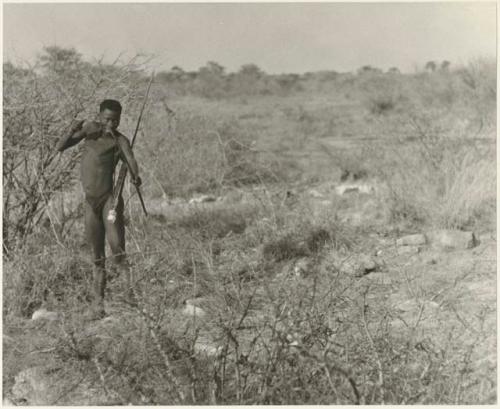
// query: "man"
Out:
[103,147]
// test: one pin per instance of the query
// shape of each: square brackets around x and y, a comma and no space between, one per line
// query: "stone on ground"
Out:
[452,239]
[411,240]
[354,188]
[302,266]
[192,309]
[358,266]
[314,193]
[368,263]
[408,250]
[207,348]
[43,314]
[202,199]
[380,278]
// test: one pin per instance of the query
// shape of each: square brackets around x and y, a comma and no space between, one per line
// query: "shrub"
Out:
[200,154]
[39,103]
[284,248]
[50,276]
[439,181]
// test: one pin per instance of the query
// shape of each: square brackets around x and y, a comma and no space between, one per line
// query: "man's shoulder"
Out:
[122,137]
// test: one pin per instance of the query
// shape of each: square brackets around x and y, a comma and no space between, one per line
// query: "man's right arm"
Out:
[75,135]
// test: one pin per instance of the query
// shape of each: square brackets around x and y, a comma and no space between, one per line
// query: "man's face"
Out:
[109,119]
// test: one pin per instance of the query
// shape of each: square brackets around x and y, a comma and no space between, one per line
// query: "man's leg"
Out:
[94,230]
[115,233]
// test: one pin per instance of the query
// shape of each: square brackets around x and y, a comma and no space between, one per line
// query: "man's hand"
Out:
[74,136]
[137,181]
[92,129]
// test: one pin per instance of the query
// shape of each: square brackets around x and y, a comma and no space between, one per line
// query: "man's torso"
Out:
[99,159]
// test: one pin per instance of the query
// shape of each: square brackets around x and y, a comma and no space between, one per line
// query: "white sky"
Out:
[278,37]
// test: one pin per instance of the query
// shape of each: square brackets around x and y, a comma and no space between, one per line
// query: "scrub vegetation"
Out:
[269,269]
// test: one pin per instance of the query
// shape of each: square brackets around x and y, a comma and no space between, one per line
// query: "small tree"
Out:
[368,69]
[60,61]
[431,66]
[248,80]
[445,65]
[211,81]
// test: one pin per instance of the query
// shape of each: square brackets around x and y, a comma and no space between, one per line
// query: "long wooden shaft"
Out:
[120,183]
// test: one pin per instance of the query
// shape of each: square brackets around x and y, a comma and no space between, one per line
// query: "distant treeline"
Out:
[435,80]
[212,80]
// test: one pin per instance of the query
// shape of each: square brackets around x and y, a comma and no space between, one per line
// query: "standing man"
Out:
[103,147]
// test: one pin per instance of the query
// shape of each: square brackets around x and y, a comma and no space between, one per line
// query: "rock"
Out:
[293,339]
[176,201]
[408,250]
[302,266]
[343,189]
[350,267]
[354,188]
[196,302]
[368,264]
[452,239]
[43,314]
[314,193]
[202,199]
[193,311]
[366,189]
[49,386]
[380,278]
[208,348]
[359,266]
[411,240]
[7,402]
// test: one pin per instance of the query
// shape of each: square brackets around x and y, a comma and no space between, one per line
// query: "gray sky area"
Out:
[278,37]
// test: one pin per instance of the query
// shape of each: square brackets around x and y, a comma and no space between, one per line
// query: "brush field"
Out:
[275,266]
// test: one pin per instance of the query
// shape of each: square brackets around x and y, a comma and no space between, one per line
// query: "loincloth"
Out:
[97,203]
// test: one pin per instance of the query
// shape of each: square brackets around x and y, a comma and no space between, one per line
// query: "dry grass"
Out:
[271,333]
[441,182]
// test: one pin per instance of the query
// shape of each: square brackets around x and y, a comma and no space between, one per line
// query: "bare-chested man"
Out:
[103,147]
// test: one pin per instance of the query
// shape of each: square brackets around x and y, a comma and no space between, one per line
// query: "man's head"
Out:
[109,113]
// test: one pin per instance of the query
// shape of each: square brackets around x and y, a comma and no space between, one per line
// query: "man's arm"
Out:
[79,131]
[129,158]
[75,135]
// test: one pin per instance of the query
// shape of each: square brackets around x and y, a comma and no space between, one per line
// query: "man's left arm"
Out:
[129,159]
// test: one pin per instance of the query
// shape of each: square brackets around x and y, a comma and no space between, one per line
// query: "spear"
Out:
[118,190]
